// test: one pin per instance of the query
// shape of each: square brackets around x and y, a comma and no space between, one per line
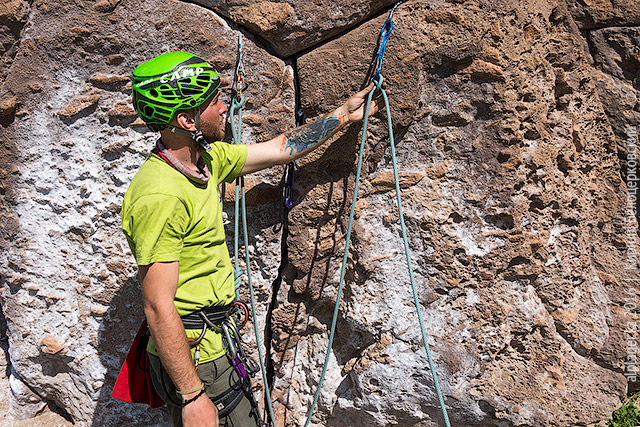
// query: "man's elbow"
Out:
[156,311]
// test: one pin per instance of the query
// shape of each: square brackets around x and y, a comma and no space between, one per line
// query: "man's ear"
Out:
[185,121]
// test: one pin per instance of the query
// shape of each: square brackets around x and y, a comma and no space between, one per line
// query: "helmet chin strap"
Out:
[197,136]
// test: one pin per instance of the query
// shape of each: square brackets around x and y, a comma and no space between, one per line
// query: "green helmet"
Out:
[171,82]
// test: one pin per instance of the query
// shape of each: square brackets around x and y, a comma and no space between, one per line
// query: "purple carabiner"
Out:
[239,368]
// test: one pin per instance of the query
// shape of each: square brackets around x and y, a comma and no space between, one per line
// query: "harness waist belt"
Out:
[214,315]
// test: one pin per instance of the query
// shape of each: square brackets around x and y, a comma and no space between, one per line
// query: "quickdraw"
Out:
[288,177]
[238,78]
[375,68]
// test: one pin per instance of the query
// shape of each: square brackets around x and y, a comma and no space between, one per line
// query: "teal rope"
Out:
[253,314]
[407,252]
[236,111]
[344,262]
[378,86]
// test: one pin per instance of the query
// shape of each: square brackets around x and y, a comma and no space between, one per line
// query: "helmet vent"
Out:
[190,92]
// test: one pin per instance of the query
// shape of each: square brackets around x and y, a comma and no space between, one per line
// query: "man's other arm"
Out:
[159,284]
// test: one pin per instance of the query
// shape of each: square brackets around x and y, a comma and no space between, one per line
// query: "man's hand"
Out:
[353,109]
[199,413]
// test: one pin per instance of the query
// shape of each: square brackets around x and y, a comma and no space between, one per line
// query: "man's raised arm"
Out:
[304,139]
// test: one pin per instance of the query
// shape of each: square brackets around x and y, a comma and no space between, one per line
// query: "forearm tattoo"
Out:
[304,137]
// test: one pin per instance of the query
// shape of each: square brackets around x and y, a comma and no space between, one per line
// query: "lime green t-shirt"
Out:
[167,217]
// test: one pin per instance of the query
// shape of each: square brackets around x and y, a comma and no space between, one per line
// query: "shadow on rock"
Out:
[117,331]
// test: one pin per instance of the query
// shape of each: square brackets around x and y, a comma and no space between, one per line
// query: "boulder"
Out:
[514,171]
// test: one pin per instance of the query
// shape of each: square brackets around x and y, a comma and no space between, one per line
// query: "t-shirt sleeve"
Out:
[155,226]
[229,158]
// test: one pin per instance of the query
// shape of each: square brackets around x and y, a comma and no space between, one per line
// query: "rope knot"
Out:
[377,81]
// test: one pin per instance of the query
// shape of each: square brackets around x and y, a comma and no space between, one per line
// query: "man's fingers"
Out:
[365,91]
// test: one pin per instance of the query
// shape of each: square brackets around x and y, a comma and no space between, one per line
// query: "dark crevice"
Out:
[346,30]
[586,35]
[4,339]
[264,44]
[51,405]
[592,28]
[284,252]
[268,332]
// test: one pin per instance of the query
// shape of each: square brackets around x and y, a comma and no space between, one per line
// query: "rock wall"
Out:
[516,125]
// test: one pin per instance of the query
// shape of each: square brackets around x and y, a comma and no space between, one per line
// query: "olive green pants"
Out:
[217,376]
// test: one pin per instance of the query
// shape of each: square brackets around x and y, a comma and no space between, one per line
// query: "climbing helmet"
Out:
[171,82]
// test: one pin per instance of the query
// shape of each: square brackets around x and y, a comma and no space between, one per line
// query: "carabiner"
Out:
[228,340]
[245,313]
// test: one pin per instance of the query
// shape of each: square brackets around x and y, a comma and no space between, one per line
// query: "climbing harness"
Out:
[377,80]
[223,319]
[244,365]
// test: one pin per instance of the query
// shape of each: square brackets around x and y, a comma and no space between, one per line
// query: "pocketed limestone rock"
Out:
[509,243]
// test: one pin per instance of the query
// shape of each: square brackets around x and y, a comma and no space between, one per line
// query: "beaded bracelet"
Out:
[190,391]
[193,399]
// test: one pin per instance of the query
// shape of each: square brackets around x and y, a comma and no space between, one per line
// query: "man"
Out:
[171,217]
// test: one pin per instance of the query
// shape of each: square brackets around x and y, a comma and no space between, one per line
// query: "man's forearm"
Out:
[298,141]
[172,346]
[294,143]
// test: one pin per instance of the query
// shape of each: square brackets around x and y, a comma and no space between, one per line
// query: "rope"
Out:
[378,86]
[378,79]
[436,383]
[235,112]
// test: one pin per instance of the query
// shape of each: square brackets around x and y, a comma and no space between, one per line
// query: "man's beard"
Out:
[212,134]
